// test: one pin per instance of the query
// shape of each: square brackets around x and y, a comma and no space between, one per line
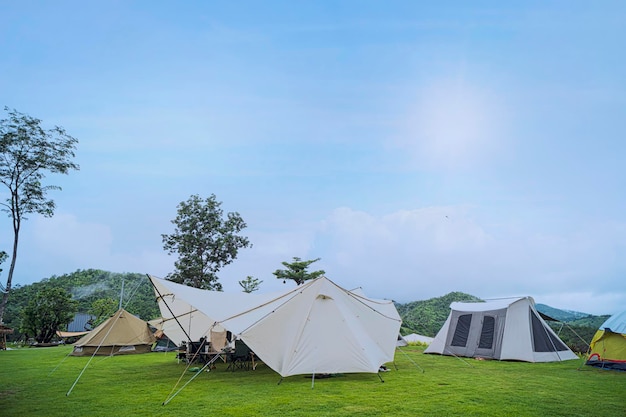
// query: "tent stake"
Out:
[281,380]
[380,377]
[409,358]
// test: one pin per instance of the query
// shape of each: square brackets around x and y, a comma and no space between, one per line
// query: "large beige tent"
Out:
[120,334]
[507,329]
[315,328]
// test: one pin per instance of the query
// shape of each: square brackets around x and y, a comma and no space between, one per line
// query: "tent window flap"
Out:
[487,333]
[461,332]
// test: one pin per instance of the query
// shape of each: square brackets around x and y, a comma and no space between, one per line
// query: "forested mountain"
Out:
[427,316]
[87,286]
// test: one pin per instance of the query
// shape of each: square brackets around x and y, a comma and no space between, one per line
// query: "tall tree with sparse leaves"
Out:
[250,284]
[297,271]
[50,310]
[205,242]
[27,153]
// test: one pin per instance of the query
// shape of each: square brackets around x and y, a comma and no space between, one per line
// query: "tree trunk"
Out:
[7,290]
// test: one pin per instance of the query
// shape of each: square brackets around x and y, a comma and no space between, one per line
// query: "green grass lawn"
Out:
[34,381]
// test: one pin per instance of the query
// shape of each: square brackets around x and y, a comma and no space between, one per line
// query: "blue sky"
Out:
[417,149]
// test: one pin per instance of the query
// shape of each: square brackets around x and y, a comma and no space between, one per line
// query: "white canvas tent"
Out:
[509,329]
[317,327]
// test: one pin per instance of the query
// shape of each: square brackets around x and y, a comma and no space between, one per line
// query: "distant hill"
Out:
[590,321]
[427,316]
[561,315]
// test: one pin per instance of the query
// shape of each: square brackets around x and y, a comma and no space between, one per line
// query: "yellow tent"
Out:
[608,346]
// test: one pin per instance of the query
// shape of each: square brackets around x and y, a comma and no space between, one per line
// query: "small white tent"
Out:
[510,329]
[317,327]
[418,338]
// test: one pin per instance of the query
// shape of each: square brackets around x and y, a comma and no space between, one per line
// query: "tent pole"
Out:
[186,383]
[380,377]
[281,380]
[168,307]
[312,380]
[207,365]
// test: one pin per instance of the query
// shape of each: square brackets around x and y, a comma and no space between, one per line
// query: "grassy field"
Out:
[35,382]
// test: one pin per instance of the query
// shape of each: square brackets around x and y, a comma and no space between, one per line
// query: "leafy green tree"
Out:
[250,284]
[50,310]
[297,271]
[205,242]
[27,154]
[102,309]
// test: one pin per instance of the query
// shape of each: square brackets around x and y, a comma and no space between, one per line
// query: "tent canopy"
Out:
[616,323]
[317,327]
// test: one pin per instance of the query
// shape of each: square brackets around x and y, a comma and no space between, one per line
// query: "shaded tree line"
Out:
[89,289]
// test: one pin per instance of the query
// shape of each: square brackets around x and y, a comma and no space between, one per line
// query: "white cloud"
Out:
[64,236]
[63,244]
[585,301]
[423,253]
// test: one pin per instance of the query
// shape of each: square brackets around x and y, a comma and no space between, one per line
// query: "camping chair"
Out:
[240,357]
[217,345]
[196,351]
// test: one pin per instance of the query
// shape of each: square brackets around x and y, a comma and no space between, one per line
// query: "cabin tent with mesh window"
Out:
[508,329]
[120,334]
[315,328]
[608,346]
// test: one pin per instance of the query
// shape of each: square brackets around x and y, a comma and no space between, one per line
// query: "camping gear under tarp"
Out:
[506,329]
[608,346]
[120,334]
[315,328]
